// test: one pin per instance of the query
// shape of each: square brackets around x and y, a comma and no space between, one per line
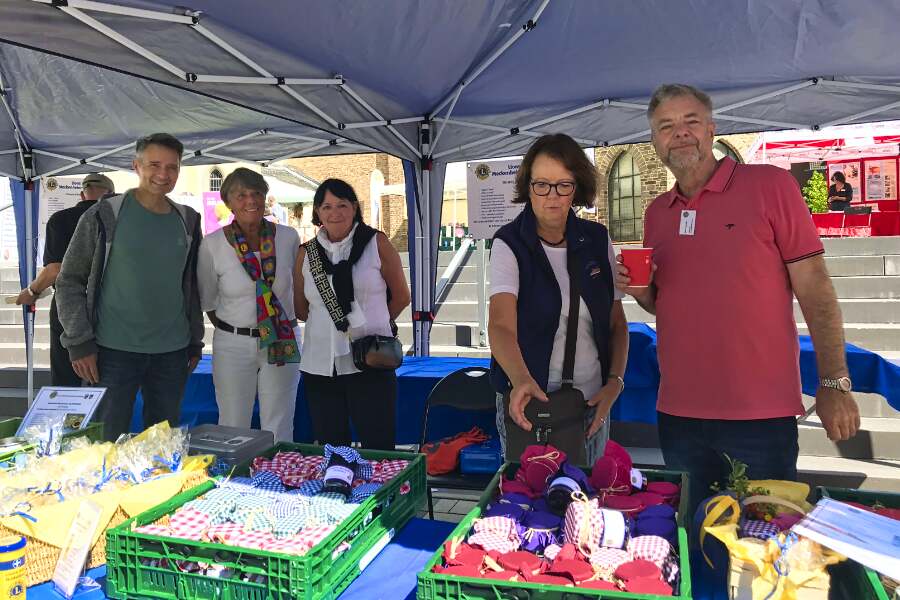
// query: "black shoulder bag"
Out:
[372,352]
[560,421]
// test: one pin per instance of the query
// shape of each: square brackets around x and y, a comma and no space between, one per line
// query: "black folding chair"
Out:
[467,389]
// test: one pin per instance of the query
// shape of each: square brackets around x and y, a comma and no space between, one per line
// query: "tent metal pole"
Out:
[124,10]
[446,118]
[302,151]
[751,120]
[352,93]
[124,41]
[875,87]
[860,115]
[525,127]
[365,124]
[486,127]
[321,113]
[215,39]
[225,158]
[121,148]
[767,96]
[236,140]
[13,151]
[30,236]
[525,28]
[263,80]
[294,136]
[11,176]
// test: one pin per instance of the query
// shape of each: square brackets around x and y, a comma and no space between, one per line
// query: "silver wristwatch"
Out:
[842,384]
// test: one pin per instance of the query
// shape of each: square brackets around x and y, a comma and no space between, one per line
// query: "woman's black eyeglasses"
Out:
[563,188]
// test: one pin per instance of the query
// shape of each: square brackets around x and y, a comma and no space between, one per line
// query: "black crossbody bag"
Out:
[560,421]
[372,352]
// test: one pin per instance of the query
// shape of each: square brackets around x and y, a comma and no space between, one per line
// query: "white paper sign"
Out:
[76,405]
[57,193]
[490,187]
[867,538]
[78,544]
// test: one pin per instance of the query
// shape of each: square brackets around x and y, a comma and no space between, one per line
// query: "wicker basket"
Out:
[41,557]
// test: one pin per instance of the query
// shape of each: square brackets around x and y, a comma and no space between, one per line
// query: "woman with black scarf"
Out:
[365,286]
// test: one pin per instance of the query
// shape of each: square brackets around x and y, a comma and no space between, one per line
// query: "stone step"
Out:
[849,266]
[14,400]
[858,286]
[867,286]
[877,337]
[870,406]
[874,475]
[872,246]
[877,438]
[853,310]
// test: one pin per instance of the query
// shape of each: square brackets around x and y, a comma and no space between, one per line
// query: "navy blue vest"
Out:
[540,301]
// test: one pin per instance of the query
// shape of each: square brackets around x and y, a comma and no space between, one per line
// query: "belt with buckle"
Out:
[248,331]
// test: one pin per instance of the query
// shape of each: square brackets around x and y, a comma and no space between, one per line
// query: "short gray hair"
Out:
[667,91]
[166,140]
[245,178]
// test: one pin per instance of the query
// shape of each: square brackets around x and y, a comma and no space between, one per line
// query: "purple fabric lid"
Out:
[541,505]
[513,511]
[513,498]
[660,511]
[664,528]
[541,520]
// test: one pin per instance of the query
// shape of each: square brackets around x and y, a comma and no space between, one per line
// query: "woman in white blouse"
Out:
[364,271]
[244,272]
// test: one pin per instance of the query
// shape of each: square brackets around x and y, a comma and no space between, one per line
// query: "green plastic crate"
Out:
[8,428]
[435,586]
[321,573]
[868,498]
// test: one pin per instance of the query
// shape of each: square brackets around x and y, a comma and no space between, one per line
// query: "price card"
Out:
[75,550]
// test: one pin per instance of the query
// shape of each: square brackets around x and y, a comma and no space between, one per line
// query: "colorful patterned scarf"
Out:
[275,330]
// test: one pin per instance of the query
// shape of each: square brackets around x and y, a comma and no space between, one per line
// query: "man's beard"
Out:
[683,159]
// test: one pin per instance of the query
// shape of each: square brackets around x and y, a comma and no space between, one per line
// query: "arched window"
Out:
[215,180]
[626,215]
[721,150]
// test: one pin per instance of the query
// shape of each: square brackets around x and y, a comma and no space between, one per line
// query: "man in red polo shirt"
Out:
[732,244]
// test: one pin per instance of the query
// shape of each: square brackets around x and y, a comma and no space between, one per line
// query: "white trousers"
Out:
[241,373]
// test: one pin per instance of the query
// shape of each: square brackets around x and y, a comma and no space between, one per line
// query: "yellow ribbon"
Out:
[714,510]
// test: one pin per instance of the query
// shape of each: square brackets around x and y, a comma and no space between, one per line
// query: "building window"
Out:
[626,215]
[215,180]
[721,150]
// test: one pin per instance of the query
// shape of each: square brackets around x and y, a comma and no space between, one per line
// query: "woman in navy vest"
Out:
[530,293]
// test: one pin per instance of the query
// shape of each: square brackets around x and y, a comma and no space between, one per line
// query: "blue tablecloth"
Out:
[418,375]
[391,576]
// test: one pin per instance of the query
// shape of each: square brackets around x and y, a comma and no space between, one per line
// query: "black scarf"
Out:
[342,273]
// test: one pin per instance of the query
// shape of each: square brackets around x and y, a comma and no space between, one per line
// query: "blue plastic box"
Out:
[481,458]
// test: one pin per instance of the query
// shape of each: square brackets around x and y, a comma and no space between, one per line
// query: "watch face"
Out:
[844,384]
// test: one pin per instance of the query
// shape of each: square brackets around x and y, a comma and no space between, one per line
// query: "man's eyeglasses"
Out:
[563,188]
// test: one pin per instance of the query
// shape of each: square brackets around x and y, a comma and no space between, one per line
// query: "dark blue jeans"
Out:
[769,448]
[160,377]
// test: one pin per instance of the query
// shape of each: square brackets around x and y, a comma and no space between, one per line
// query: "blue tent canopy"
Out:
[430,82]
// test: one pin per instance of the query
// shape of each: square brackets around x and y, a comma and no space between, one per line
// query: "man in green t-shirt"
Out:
[127,293]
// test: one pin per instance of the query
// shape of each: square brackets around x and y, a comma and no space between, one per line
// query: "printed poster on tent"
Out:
[490,189]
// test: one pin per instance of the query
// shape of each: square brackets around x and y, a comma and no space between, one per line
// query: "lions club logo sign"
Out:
[52,184]
[482,171]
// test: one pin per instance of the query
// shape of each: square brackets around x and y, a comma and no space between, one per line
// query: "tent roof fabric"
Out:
[583,68]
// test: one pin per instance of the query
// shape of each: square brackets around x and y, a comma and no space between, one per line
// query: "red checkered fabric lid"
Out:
[650,547]
[188,523]
[385,470]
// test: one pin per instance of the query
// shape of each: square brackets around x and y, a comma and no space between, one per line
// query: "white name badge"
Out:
[688,222]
